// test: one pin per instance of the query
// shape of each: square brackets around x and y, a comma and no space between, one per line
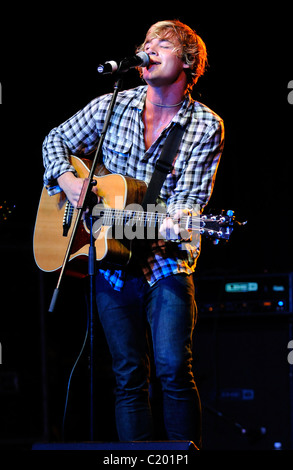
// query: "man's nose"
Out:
[151,49]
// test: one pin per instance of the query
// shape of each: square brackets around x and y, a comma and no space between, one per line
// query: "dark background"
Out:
[48,72]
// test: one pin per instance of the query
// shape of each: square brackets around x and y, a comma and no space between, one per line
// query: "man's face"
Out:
[165,67]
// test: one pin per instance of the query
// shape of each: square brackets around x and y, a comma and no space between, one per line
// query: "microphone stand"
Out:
[84,203]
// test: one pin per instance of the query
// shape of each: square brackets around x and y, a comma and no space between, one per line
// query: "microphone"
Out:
[139,60]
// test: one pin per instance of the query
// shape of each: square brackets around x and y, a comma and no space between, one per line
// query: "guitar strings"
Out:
[122,215]
[109,213]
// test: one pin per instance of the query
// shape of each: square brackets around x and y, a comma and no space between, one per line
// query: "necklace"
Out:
[165,105]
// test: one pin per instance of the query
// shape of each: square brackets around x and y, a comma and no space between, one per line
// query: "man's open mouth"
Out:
[153,62]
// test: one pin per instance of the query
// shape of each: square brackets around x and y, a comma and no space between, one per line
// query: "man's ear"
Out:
[186,66]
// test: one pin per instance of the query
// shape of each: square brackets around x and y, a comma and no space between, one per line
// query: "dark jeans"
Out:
[170,310]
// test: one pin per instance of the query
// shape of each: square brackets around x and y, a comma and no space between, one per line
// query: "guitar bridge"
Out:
[67,218]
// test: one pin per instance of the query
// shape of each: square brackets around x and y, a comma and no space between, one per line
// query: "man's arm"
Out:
[195,185]
[76,136]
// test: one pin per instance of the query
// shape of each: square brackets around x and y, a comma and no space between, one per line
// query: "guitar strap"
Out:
[163,166]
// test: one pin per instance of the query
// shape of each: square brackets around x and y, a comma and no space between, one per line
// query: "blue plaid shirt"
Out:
[190,183]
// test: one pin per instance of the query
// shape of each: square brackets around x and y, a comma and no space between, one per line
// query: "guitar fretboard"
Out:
[214,226]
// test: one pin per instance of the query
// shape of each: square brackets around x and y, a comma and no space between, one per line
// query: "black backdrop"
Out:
[48,72]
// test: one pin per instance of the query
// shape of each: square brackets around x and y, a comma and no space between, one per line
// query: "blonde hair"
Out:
[192,49]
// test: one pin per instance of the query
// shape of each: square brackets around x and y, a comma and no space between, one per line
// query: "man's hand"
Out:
[172,229]
[72,186]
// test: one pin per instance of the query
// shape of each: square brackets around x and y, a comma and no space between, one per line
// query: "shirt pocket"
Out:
[116,144]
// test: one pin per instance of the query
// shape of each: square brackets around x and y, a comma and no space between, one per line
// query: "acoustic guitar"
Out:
[118,219]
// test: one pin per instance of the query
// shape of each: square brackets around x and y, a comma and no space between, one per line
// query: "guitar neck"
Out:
[123,217]
[219,227]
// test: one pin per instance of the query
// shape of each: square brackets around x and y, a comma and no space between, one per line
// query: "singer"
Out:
[157,286]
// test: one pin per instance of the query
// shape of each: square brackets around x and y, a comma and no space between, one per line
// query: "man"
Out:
[157,287]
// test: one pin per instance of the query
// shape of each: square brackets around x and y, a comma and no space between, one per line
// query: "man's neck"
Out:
[164,98]
[160,108]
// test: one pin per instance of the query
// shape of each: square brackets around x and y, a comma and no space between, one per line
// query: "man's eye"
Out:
[166,45]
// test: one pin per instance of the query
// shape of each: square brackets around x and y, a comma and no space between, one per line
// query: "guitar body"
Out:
[50,245]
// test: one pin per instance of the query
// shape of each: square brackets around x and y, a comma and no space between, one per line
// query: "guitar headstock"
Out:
[217,227]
